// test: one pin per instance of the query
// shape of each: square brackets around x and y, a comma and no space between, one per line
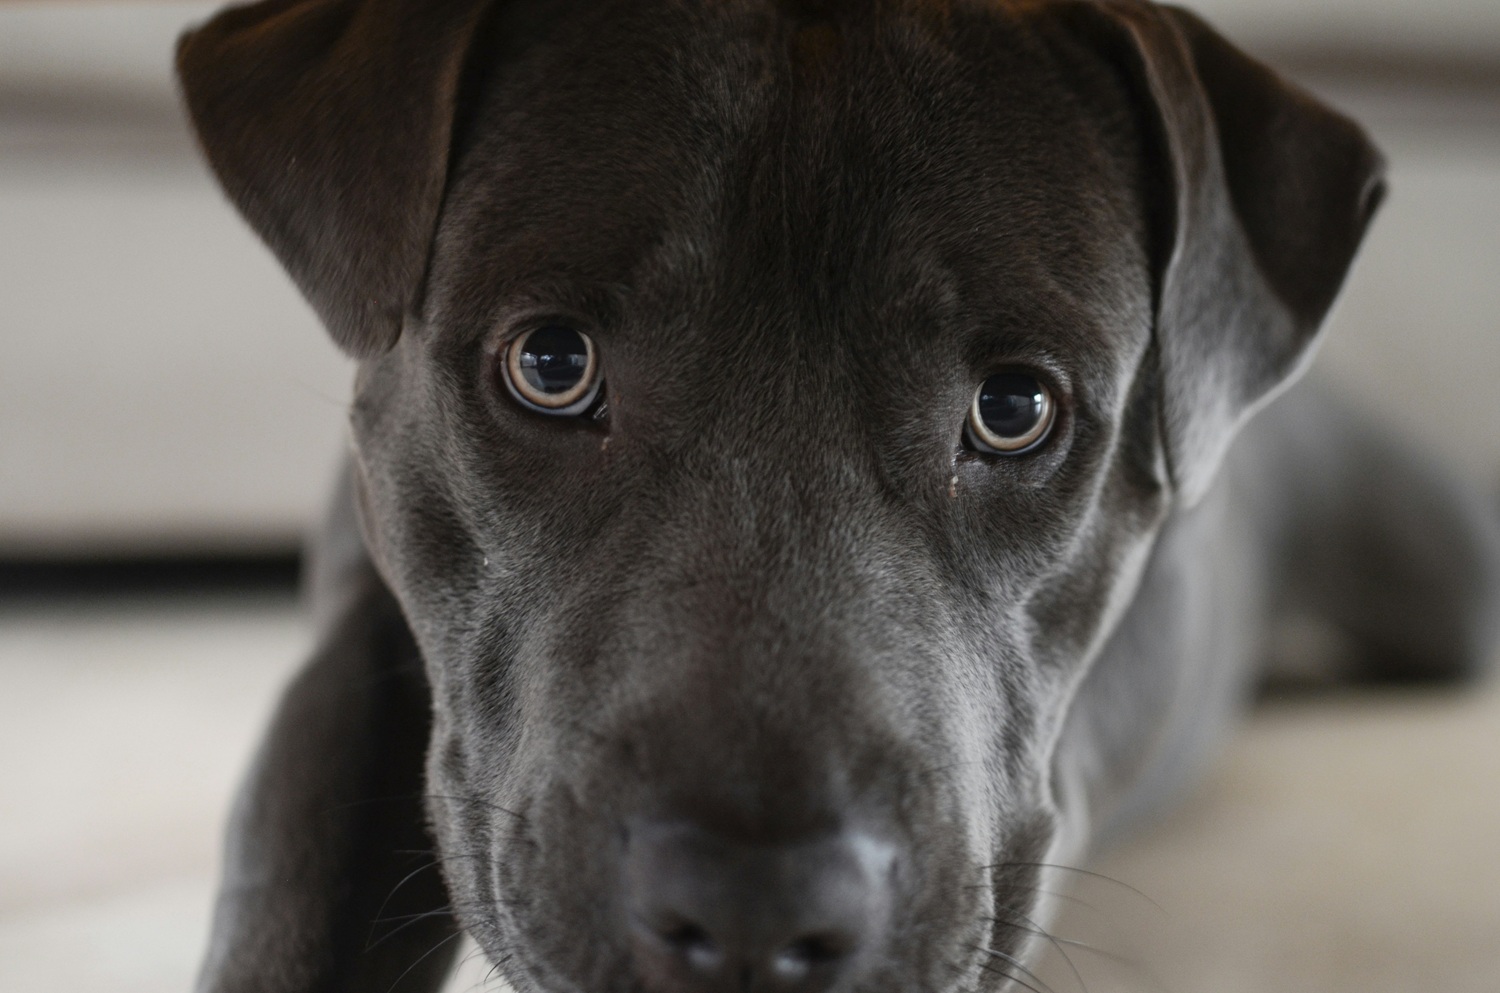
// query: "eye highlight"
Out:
[1013,412]
[552,370]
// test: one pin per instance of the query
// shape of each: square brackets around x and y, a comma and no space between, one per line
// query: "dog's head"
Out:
[765,411]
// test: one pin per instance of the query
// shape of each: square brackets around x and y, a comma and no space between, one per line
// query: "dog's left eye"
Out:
[553,370]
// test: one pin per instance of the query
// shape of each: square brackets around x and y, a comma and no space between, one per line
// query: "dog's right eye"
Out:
[1012,413]
[553,370]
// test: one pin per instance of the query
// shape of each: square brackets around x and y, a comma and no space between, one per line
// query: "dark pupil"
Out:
[553,360]
[1010,404]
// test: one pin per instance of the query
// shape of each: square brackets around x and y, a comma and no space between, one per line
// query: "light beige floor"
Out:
[1341,845]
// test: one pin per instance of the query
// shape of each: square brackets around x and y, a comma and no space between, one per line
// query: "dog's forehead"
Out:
[963,156]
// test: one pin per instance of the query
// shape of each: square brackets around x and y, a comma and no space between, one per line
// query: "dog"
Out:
[792,511]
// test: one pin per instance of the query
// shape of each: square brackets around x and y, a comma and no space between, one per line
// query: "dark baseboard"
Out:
[26,579]
[1392,67]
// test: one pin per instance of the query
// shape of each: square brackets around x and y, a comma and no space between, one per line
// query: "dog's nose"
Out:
[708,915]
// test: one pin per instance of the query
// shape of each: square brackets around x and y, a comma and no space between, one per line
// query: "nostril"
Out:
[820,948]
[796,960]
[693,945]
[711,914]
[684,935]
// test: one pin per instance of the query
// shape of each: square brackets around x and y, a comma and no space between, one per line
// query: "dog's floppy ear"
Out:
[1269,193]
[328,123]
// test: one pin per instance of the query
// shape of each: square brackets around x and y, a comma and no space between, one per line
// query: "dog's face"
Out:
[770,589]
[769,615]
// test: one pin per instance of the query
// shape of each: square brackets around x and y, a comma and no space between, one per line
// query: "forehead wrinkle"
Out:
[872,159]
[819,206]
[811,199]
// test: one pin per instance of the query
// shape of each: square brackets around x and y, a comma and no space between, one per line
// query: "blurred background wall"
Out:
[163,389]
